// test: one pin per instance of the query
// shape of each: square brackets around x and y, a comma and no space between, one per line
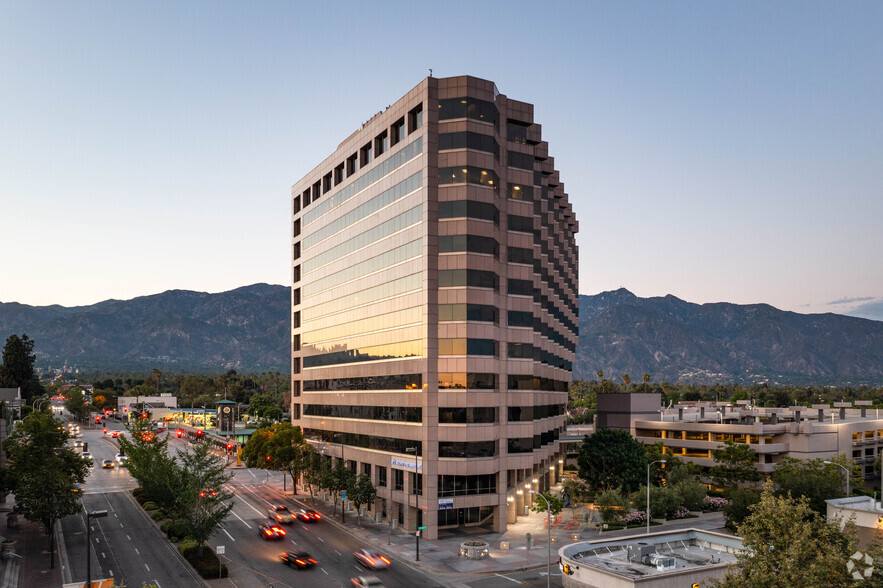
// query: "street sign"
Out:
[418,533]
[420,528]
[343,495]
[219,550]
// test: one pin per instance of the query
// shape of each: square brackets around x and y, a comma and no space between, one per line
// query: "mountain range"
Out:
[248,329]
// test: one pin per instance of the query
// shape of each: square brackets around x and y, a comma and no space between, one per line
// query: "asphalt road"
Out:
[126,544]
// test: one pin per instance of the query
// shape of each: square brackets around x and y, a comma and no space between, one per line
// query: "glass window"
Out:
[468,175]
[473,278]
[468,140]
[520,287]
[473,449]
[415,118]
[381,476]
[399,476]
[467,243]
[466,107]
[517,318]
[472,381]
[468,209]
[521,350]
[520,255]
[520,192]
[522,224]
[516,131]
[520,445]
[520,160]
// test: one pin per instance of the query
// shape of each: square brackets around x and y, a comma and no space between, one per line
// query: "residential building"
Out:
[434,305]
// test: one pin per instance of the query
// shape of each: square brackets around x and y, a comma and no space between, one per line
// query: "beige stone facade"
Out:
[434,305]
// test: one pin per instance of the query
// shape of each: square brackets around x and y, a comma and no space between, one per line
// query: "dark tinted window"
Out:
[468,243]
[519,318]
[468,175]
[474,278]
[520,160]
[520,287]
[522,224]
[520,192]
[516,132]
[466,107]
[468,209]
[468,140]
[520,255]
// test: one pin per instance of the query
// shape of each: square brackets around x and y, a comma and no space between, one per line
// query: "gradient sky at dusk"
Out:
[714,151]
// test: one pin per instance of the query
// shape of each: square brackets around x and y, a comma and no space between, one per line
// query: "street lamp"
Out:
[648,491]
[549,538]
[416,500]
[846,470]
[91,514]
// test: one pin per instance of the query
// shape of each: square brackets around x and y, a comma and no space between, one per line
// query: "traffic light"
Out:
[105,431]
[143,415]
[180,433]
[125,409]
[199,432]
[229,447]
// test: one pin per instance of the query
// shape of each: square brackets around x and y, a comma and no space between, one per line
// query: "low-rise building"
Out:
[693,430]
[672,559]
[865,512]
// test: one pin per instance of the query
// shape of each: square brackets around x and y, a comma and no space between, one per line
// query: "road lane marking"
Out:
[146,566]
[241,519]
[323,571]
[320,539]
[228,535]
[508,578]
[337,552]
[129,538]
[136,551]
[104,555]
[157,583]
[249,505]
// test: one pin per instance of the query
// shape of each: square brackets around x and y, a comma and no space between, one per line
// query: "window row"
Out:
[520,192]
[526,382]
[464,516]
[519,287]
[467,485]
[459,415]
[467,277]
[466,381]
[467,312]
[469,209]
[516,132]
[468,244]
[391,444]
[521,224]
[468,140]
[520,160]
[383,199]
[382,291]
[379,262]
[468,174]
[391,164]
[400,350]
[529,351]
[463,346]
[399,382]
[362,240]
[404,414]
[467,449]
[351,328]
[466,107]
[528,444]
[533,413]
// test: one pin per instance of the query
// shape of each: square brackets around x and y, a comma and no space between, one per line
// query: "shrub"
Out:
[175,528]
[158,515]
[680,513]
[693,494]
[166,527]
[149,505]
[208,565]
[612,505]
[713,503]
[636,518]
[138,493]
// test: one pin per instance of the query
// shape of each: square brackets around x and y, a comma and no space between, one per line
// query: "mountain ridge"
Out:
[248,329]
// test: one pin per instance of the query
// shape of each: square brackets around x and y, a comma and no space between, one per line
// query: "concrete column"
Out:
[519,501]
[511,511]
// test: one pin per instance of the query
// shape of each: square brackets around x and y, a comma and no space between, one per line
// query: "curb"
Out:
[62,554]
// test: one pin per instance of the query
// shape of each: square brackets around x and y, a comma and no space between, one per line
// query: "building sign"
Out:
[446,504]
[411,465]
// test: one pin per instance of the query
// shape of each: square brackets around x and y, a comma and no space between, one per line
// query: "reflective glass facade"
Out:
[434,314]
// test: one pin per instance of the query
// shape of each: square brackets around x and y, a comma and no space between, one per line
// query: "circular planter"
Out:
[474,550]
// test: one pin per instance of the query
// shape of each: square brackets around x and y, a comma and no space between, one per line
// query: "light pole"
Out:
[93,514]
[548,538]
[648,491]
[416,500]
[846,471]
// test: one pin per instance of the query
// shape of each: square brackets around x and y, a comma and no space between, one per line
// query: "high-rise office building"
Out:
[434,306]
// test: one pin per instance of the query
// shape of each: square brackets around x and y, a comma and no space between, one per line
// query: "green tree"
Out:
[339,477]
[741,501]
[315,474]
[788,544]
[813,479]
[285,447]
[150,463]
[361,492]
[41,471]
[612,505]
[664,501]
[612,458]
[734,464]
[203,502]
[542,499]
[17,369]
[76,403]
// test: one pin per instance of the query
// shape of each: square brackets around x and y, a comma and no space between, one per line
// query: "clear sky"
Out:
[714,151]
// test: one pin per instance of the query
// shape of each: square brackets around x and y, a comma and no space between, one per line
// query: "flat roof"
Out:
[679,550]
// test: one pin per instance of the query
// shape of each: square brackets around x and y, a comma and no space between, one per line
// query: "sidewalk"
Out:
[30,564]
[507,551]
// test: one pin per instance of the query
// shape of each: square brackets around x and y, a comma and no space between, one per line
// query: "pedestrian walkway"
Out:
[507,551]
[25,561]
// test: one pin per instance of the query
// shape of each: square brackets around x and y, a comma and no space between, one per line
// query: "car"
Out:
[114,434]
[107,464]
[372,561]
[87,456]
[281,514]
[367,582]
[78,444]
[308,515]
[270,531]
[77,489]
[298,559]
[122,459]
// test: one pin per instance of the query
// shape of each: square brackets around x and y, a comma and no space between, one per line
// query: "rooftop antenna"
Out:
[430,72]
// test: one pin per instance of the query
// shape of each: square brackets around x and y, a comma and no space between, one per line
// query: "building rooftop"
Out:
[657,553]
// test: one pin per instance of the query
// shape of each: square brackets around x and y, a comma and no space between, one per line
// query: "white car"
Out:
[121,459]
[87,456]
